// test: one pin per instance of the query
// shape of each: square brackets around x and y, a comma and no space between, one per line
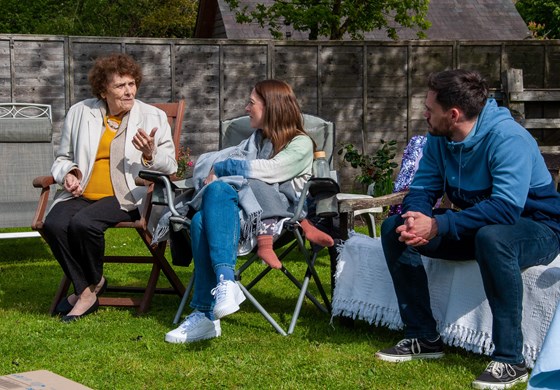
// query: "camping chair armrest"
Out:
[153,176]
[164,189]
[142,182]
[301,203]
[44,183]
[319,188]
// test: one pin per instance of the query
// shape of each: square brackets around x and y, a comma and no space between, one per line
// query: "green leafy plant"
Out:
[184,163]
[377,168]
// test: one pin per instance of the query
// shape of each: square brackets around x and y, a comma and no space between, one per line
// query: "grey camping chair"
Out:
[232,132]
[321,190]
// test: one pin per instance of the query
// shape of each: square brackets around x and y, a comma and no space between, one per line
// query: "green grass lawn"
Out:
[116,349]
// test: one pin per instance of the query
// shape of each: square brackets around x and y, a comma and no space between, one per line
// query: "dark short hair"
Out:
[106,67]
[463,89]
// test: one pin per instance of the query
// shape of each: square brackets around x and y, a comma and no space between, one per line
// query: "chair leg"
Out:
[158,253]
[303,293]
[370,221]
[172,277]
[261,309]
[184,300]
[319,285]
[299,303]
[302,286]
[160,264]
[310,261]
[150,290]
[61,292]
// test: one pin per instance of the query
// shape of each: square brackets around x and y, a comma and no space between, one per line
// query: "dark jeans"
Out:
[74,229]
[501,251]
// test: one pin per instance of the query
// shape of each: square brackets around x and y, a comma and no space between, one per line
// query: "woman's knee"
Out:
[54,226]
[81,227]
[219,191]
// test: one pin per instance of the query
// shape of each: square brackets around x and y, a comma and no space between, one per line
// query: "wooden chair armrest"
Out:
[43,182]
[351,205]
[348,207]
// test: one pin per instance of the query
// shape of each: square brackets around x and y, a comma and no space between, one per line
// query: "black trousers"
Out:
[75,231]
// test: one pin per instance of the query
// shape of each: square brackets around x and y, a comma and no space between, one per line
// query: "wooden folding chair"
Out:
[175,113]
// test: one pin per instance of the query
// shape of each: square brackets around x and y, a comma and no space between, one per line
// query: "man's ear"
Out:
[456,114]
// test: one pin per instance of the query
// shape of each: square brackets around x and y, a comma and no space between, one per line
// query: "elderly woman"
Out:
[105,142]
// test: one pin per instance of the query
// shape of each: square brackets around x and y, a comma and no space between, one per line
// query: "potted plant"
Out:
[184,163]
[375,170]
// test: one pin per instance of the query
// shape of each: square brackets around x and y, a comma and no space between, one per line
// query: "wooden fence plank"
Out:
[548,95]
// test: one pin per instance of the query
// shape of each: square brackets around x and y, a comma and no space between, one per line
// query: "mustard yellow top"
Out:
[99,185]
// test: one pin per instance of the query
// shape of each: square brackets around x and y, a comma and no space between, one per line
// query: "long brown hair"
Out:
[282,119]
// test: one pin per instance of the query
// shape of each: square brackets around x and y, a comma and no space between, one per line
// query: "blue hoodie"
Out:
[495,176]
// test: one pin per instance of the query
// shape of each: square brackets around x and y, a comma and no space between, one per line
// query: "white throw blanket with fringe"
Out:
[364,290]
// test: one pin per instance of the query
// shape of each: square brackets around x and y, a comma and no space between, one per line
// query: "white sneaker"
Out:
[196,326]
[228,297]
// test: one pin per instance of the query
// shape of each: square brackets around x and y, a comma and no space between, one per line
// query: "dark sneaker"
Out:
[409,349]
[501,376]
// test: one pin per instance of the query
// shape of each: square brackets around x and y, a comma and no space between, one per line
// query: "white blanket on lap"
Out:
[364,290]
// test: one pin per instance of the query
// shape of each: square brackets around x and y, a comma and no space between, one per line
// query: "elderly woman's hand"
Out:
[145,143]
[72,184]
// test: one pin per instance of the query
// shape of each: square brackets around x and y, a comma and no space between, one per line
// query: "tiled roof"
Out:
[451,20]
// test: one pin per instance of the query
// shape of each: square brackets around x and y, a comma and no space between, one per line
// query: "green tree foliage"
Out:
[542,17]
[132,18]
[335,18]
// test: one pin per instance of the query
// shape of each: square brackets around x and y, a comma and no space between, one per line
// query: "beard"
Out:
[441,129]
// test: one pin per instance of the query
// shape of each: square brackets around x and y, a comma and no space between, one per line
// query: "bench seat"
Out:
[364,290]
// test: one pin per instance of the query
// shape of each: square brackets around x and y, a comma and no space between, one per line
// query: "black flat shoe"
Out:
[92,309]
[64,307]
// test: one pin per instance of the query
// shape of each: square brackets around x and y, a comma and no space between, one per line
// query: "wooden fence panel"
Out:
[157,71]
[242,67]
[342,87]
[39,75]
[484,58]
[197,80]
[387,94]
[530,58]
[370,90]
[83,55]
[298,66]
[552,58]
